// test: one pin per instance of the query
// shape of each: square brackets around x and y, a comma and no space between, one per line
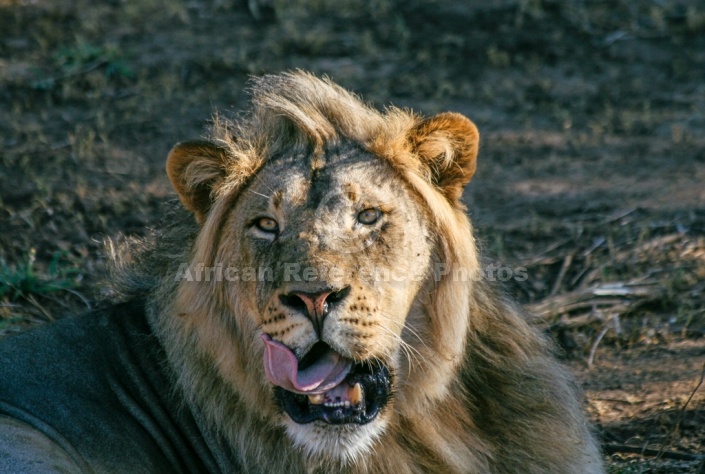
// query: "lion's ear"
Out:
[193,169]
[447,144]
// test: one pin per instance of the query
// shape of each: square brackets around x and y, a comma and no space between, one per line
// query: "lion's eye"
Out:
[368,216]
[267,224]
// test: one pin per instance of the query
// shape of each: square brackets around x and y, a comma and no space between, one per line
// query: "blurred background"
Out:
[591,171]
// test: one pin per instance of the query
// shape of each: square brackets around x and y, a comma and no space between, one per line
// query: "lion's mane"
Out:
[486,394]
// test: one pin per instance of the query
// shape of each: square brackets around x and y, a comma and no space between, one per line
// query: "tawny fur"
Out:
[480,391]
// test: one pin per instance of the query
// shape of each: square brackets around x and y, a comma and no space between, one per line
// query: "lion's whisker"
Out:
[259,194]
[412,354]
[406,327]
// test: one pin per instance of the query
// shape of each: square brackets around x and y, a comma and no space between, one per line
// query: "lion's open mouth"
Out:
[325,386]
[357,399]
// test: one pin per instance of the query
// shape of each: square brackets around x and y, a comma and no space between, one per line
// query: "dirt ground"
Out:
[590,175]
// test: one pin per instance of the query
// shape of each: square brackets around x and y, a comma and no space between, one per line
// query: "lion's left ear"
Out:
[194,168]
[447,144]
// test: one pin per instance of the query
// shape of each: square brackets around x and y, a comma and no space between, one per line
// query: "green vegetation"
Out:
[24,280]
[26,283]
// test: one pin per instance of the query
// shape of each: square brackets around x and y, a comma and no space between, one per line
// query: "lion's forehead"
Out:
[317,208]
[306,193]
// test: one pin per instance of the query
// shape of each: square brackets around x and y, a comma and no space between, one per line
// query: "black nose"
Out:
[316,305]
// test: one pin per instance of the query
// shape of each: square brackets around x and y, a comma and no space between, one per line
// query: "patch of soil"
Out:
[648,404]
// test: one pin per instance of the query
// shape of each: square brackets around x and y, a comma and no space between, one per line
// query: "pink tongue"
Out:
[282,369]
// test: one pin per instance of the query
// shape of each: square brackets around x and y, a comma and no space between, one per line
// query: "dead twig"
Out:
[617,298]
[41,308]
[648,246]
[681,415]
[595,343]
[561,274]
[542,257]
[624,448]
[78,295]
[619,215]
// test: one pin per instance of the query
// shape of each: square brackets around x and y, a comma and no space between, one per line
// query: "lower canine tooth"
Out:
[355,394]
[316,399]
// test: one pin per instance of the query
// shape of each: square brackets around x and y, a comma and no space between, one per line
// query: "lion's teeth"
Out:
[355,394]
[316,399]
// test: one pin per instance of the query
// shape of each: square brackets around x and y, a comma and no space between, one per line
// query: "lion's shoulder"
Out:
[69,386]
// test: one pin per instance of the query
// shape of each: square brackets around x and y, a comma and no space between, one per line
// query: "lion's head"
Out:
[317,285]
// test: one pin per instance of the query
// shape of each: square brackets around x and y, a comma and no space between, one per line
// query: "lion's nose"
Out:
[315,305]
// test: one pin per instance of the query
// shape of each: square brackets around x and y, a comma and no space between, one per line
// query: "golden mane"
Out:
[464,408]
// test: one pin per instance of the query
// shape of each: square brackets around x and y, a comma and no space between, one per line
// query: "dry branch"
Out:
[612,298]
[623,448]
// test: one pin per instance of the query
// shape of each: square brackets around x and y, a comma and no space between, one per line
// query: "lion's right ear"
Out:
[194,168]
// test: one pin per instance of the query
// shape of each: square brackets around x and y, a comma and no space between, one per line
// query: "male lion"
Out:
[323,312]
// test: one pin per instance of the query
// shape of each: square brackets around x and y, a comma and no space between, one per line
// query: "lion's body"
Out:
[90,394]
[327,313]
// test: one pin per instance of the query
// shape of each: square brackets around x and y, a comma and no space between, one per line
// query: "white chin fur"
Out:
[346,443]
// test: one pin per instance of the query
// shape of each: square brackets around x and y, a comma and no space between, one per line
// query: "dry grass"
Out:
[590,170]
